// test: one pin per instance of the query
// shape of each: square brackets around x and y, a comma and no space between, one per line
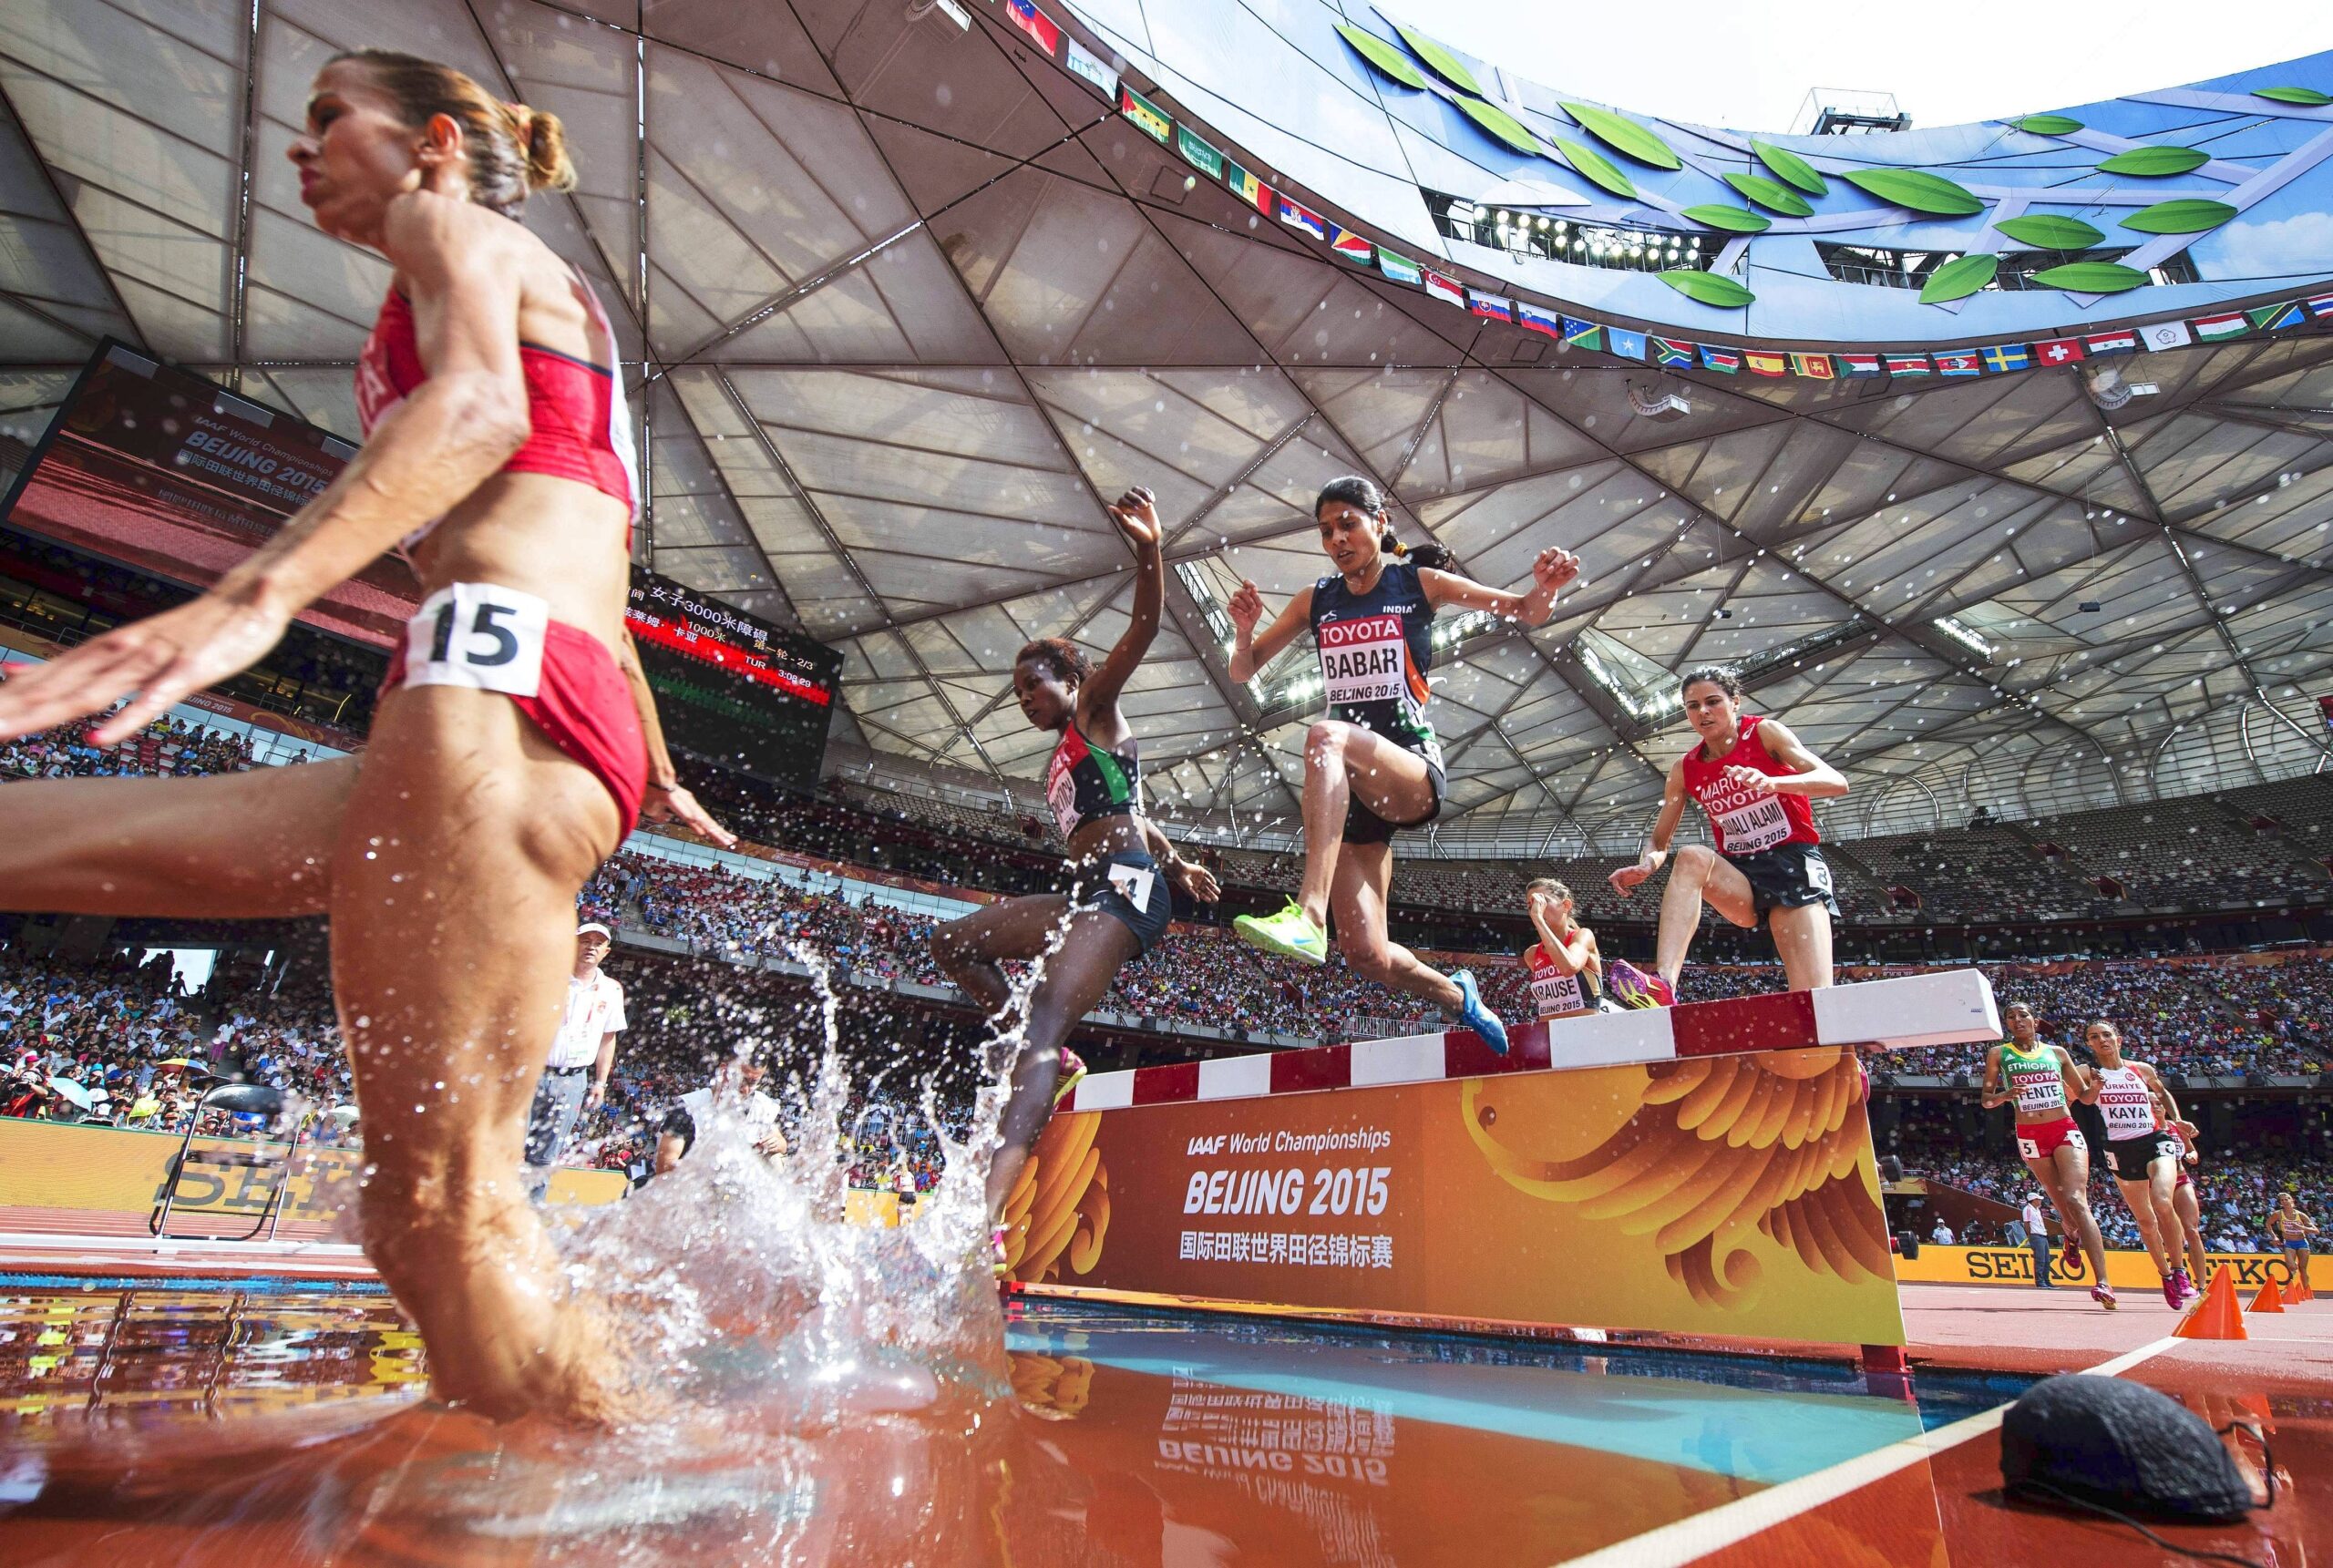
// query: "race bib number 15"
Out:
[478,635]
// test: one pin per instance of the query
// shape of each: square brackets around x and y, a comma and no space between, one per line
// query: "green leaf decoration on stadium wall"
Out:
[1786,165]
[1623,135]
[1710,287]
[2049,232]
[2155,162]
[1502,125]
[1737,219]
[1597,167]
[1959,278]
[1388,61]
[1771,194]
[1915,189]
[2090,278]
[2188,217]
[2306,97]
[1439,60]
[2048,124]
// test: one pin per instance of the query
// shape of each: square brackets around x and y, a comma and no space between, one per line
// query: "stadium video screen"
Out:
[730,690]
[164,471]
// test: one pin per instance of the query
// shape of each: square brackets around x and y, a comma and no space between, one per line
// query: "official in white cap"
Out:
[582,1055]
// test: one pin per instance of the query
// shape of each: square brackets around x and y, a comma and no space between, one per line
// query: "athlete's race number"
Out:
[1135,883]
[479,635]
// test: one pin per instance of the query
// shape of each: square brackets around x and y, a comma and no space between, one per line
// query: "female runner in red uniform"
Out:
[508,756]
[1567,972]
[1120,906]
[2141,1156]
[1754,779]
[2184,1197]
[2044,1080]
[1372,768]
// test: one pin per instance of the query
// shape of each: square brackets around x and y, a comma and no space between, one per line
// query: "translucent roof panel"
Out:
[901,306]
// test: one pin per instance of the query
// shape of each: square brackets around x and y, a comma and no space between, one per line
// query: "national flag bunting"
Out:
[2219,329]
[1044,29]
[2106,345]
[1154,121]
[1199,154]
[2276,318]
[1812,366]
[1351,246]
[1856,365]
[1492,307]
[1296,215]
[2160,336]
[1090,68]
[2058,350]
[1623,343]
[1401,268]
[1582,334]
[2005,357]
[1668,351]
[1724,361]
[1247,187]
[1956,361]
[1527,314]
[2320,305]
[1909,364]
[1447,290]
[1764,363]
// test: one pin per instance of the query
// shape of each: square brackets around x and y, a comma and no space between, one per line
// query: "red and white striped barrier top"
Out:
[1949,1009]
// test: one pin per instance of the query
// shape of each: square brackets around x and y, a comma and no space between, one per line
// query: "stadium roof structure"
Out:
[1999,455]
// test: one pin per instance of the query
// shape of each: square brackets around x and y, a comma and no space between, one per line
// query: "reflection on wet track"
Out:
[184,1426]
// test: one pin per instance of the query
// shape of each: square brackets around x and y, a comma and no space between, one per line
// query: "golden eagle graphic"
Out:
[1059,1209]
[1699,1155]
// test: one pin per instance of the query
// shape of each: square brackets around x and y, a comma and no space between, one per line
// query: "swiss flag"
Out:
[2058,350]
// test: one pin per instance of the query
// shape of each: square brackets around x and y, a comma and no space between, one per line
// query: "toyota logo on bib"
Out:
[1367,629]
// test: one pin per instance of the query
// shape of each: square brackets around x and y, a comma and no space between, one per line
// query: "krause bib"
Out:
[1552,990]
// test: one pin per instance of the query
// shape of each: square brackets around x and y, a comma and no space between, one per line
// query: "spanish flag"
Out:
[1763,363]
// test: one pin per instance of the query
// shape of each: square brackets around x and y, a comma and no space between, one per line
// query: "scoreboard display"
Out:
[731,690]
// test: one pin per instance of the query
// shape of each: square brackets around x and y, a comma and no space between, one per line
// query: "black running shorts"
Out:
[1132,890]
[1363,825]
[1788,877]
[2132,1159]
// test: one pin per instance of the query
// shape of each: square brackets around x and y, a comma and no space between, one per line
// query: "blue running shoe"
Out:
[1474,1015]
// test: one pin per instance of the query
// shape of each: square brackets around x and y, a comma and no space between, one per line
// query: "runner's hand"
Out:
[1555,567]
[1196,880]
[1137,515]
[164,659]
[1750,779]
[1627,877]
[1246,609]
[672,803]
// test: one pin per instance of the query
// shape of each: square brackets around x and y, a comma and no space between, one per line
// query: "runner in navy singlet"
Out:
[1118,905]
[1754,779]
[1373,767]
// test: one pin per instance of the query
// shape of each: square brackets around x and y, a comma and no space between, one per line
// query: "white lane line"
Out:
[1687,1540]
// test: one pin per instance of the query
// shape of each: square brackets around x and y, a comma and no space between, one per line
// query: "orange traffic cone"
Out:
[2217,1317]
[2267,1300]
[2301,1291]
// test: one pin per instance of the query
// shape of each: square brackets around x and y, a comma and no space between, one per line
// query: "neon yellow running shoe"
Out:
[1289,933]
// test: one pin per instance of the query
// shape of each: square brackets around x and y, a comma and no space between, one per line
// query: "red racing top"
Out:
[1745,822]
[579,427]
